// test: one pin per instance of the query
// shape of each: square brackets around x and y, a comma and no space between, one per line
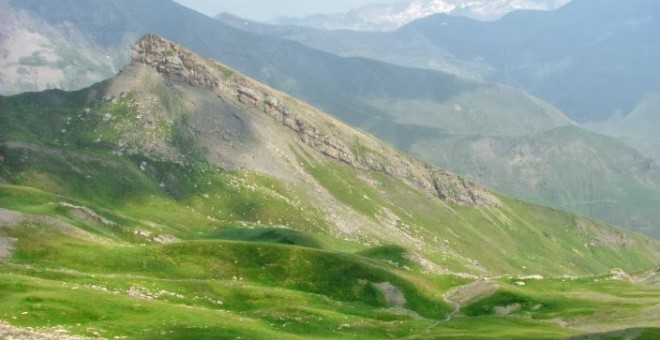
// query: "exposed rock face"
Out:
[86,213]
[170,59]
[315,129]
[393,296]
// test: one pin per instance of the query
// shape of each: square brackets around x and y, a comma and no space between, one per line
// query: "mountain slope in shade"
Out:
[638,128]
[535,166]
[182,185]
[395,48]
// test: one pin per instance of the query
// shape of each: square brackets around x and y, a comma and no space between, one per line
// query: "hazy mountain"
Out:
[420,111]
[399,48]
[565,167]
[35,55]
[638,128]
[393,15]
[592,59]
[184,199]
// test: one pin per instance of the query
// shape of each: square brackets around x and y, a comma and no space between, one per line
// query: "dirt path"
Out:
[9,217]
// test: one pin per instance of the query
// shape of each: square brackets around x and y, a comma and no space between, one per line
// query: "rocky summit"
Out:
[320,132]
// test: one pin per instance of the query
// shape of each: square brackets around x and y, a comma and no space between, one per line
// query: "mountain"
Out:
[497,51]
[426,113]
[182,198]
[486,147]
[589,66]
[393,15]
[564,167]
[397,47]
[35,55]
[591,59]
[637,128]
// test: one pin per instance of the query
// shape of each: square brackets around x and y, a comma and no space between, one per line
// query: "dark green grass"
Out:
[392,254]
[631,333]
[344,276]
[267,235]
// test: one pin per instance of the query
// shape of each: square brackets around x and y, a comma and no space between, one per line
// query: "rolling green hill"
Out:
[183,199]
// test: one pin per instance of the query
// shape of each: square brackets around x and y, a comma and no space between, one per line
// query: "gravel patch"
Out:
[10,332]
[6,246]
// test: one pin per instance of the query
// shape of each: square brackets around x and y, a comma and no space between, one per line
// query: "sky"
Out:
[263,10]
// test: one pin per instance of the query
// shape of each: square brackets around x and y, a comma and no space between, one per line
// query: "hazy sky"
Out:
[269,9]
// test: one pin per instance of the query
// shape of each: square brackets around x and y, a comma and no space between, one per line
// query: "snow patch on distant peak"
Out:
[392,16]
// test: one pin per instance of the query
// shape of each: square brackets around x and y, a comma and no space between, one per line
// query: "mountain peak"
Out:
[323,133]
[173,60]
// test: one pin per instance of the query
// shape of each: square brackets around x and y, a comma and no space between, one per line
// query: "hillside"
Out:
[483,148]
[181,185]
[637,128]
[403,106]
[396,47]
[564,167]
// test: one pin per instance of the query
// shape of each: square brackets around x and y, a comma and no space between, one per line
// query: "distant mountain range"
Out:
[592,59]
[393,15]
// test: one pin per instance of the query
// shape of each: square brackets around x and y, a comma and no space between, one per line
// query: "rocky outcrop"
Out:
[86,214]
[324,134]
[176,62]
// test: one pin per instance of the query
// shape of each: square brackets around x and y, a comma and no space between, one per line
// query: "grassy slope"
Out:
[280,290]
[218,288]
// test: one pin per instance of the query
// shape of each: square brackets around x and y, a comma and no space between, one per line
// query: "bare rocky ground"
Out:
[461,296]
[392,294]
[11,219]
[7,217]
[471,292]
[6,246]
[9,332]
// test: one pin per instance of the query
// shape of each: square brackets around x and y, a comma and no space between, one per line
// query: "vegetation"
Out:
[109,227]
